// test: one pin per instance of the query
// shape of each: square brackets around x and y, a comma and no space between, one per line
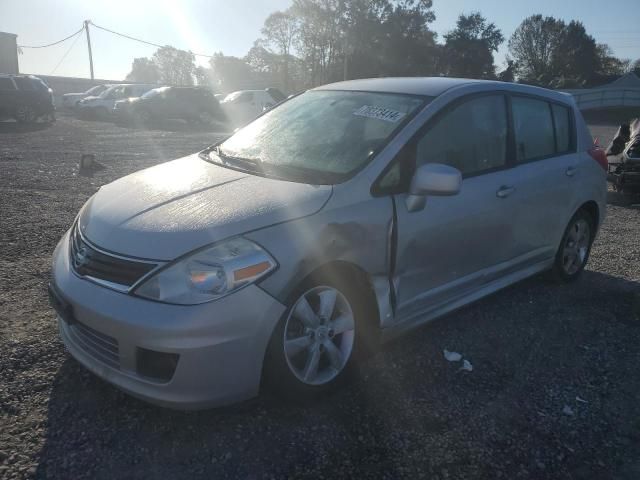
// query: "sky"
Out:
[208,26]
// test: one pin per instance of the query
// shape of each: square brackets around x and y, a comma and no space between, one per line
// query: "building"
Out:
[623,92]
[8,53]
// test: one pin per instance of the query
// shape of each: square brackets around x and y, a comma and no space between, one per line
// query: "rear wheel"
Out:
[315,344]
[573,253]
[25,114]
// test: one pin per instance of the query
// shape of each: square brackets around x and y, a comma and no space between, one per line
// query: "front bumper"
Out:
[220,345]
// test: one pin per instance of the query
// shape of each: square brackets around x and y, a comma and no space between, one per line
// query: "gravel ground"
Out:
[553,392]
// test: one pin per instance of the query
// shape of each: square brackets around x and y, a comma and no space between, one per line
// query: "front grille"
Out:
[87,261]
[98,345]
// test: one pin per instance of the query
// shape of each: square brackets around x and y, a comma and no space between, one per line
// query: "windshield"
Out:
[154,92]
[108,92]
[325,136]
[95,90]
[232,96]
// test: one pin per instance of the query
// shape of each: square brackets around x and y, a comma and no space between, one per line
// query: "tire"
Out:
[25,114]
[574,249]
[331,339]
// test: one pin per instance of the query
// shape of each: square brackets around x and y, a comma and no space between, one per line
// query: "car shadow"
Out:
[16,127]
[94,430]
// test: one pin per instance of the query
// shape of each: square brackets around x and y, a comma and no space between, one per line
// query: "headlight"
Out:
[209,274]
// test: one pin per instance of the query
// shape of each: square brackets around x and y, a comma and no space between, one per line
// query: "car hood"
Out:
[73,95]
[171,209]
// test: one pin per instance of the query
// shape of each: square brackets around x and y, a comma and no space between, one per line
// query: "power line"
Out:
[54,43]
[143,41]
[67,52]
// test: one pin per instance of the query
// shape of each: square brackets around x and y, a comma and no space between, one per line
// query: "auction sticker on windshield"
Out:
[379,113]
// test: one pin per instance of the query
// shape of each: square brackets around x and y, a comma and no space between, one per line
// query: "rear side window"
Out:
[562,123]
[6,84]
[533,129]
[25,84]
[472,137]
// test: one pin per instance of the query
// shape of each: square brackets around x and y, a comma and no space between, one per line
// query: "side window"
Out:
[533,129]
[562,122]
[24,84]
[472,137]
[6,84]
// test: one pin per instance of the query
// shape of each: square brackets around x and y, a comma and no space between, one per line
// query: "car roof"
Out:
[433,86]
[430,86]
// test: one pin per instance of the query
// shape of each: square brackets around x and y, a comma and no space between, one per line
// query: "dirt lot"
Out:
[554,391]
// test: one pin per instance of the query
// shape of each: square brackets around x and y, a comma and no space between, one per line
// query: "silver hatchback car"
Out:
[344,216]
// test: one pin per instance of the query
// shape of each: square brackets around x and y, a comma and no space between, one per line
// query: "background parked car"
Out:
[70,100]
[102,105]
[244,105]
[25,98]
[193,104]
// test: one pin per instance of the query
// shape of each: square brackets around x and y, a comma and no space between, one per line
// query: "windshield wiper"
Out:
[279,171]
[247,164]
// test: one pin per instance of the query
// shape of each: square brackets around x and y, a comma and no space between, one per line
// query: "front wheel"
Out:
[314,345]
[575,247]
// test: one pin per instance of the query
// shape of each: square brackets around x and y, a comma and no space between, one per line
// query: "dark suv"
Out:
[25,98]
[193,104]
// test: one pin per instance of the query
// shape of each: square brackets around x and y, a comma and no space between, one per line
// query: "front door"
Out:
[458,243]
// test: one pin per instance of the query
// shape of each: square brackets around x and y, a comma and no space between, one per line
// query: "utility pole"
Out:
[86,29]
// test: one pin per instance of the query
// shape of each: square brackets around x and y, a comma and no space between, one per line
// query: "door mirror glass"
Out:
[432,179]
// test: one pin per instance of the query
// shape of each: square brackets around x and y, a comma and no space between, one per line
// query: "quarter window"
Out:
[562,124]
[472,137]
[533,129]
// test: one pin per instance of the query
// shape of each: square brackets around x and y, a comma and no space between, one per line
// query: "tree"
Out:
[470,46]
[532,47]
[176,67]
[203,76]
[229,73]
[406,44]
[610,65]
[280,29]
[554,54]
[144,70]
[575,58]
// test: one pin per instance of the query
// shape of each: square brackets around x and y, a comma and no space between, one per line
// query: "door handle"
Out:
[571,171]
[504,191]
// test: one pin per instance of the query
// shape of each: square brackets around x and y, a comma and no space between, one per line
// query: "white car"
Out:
[244,105]
[339,219]
[102,105]
[71,100]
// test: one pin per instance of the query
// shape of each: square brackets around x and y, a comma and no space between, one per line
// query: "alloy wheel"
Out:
[319,335]
[576,246]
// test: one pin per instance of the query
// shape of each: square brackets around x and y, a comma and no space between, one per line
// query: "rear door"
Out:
[547,171]
[458,243]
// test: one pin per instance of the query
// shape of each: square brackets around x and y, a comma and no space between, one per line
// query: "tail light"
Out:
[599,155]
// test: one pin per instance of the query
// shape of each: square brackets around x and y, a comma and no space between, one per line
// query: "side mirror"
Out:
[432,179]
